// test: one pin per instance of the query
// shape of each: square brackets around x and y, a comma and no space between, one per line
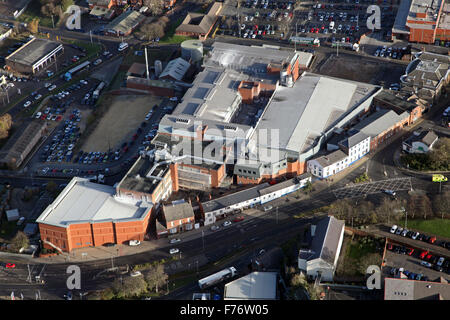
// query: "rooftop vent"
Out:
[182,120]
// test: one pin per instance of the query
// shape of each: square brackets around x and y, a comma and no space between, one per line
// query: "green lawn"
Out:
[438,227]
[170,37]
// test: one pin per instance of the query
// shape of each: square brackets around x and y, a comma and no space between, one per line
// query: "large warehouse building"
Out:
[87,214]
[34,56]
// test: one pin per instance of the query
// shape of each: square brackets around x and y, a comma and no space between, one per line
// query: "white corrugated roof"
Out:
[176,69]
[84,201]
[254,286]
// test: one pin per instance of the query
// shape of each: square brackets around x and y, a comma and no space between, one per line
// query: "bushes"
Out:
[362,178]
[437,159]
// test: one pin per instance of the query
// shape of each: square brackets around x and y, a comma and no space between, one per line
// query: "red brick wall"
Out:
[422,35]
[174,176]
[158,91]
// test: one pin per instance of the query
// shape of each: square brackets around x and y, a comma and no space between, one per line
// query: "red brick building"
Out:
[178,217]
[99,218]
[198,24]
[423,21]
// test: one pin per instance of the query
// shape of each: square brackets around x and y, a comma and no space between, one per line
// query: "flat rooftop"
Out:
[420,7]
[136,178]
[33,51]
[83,201]
[302,113]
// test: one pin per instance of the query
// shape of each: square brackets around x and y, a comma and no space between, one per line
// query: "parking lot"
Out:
[412,265]
[387,186]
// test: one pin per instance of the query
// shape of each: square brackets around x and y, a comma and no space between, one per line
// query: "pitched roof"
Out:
[176,69]
[331,158]
[379,122]
[428,137]
[125,22]
[354,139]
[178,211]
[196,23]
[326,239]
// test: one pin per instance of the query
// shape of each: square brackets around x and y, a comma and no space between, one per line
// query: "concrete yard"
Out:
[369,71]
[120,122]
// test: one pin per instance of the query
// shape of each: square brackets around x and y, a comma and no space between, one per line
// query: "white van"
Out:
[123,46]
[331,25]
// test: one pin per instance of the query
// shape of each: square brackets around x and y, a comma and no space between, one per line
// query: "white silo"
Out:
[192,50]
[158,67]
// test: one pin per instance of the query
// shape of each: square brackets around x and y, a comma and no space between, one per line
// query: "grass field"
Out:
[438,227]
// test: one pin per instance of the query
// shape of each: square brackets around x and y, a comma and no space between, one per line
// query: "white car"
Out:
[415,235]
[174,250]
[53,87]
[389,192]
[268,208]
[172,241]
[38,115]
[394,228]
[214,228]
[399,231]
[38,97]
[27,104]
[48,84]
[425,264]
[174,99]
[134,243]
[123,46]
[227,223]
[440,261]
[135,274]
[404,232]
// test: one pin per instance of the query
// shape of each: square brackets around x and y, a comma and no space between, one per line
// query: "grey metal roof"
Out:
[175,69]
[379,122]
[326,239]
[311,107]
[234,198]
[254,286]
[126,21]
[33,51]
[284,184]
[427,137]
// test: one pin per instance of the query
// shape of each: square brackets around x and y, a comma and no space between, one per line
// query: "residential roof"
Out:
[379,122]
[325,241]
[101,12]
[254,286]
[354,139]
[233,198]
[84,201]
[331,158]
[176,69]
[178,211]
[200,23]
[427,137]
[404,289]
[33,51]
[127,21]
[309,109]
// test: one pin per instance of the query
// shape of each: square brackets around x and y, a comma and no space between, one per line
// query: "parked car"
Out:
[425,264]
[267,208]
[423,254]
[172,241]
[227,223]
[214,228]
[389,192]
[415,235]
[399,231]
[134,242]
[174,250]
[394,228]
[440,261]
[237,219]
[404,232]
[135,274]
[432,239]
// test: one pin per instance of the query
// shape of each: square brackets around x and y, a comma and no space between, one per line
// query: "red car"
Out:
[59,118]
[423,254]
[43,117]
[10,265]
[410,251]
[237,219]
[428,257]
[432,239]
[390,247]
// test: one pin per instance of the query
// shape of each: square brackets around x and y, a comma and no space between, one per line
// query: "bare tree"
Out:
[20,240]
[152,31]
[156,277]
[441,204]
[128,287]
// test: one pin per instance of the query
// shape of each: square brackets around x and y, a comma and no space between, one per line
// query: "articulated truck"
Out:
[217,277]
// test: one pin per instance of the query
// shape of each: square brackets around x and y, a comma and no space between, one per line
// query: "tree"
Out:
[152,30]
[128,287]
[48,9]
[33,26]
[20,240]
[440,155]
[441,204]
[155,7]
[65,4]
[368,260]
[156,277]
[343,210]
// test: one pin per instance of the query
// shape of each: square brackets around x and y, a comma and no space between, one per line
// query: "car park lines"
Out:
[363,189]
